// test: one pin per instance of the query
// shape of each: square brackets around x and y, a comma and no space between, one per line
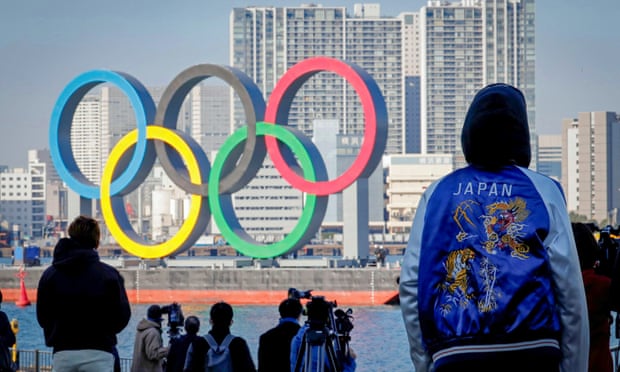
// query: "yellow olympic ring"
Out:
[136,245]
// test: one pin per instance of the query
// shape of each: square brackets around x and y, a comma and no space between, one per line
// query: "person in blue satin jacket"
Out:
[491,279]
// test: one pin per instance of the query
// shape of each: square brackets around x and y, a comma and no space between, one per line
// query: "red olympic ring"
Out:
[375,114]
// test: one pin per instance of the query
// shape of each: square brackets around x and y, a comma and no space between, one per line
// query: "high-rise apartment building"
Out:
[411,75]
[210,116]
[464,46]
[590,180]
[87,137]
[266,41]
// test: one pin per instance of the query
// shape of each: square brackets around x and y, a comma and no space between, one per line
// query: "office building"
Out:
[590,180]
[464,46]
[408,176]
[22,198]
[550,155]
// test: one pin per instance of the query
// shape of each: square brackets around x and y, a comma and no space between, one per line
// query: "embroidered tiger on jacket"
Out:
[456,283]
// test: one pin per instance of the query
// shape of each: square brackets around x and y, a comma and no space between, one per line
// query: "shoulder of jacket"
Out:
[48,272]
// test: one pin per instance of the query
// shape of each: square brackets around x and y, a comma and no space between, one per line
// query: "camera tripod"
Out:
[317,351]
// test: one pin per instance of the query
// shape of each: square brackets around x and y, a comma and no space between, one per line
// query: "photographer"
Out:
[179,346]
[313,339]
[148,350]
[274,346]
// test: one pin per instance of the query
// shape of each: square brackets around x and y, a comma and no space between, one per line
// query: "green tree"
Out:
[574,217]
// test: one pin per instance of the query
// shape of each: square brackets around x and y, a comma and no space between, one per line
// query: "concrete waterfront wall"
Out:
[356,286]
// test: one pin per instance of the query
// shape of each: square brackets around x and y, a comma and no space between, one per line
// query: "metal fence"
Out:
[615,355]
[36,361]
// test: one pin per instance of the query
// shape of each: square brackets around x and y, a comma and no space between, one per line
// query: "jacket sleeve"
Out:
[262,354]
[44,305]
[153,346]
[568,286]
[194,358]
[118,296]
[295,345]
[189,359]
[242,360]
[408,289]
[7,337]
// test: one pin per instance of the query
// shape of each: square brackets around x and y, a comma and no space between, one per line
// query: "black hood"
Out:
[70,253]
[496,131]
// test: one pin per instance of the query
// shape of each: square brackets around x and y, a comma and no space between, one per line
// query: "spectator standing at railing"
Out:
[178,347]
[598,296]
[149,352]
[81,302]
[274,346]
[7,340]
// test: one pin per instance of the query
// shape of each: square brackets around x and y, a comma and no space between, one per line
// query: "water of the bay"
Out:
[378,335]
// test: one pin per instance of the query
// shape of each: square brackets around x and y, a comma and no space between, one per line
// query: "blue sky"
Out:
[45,44]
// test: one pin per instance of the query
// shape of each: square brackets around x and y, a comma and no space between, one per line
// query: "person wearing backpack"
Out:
[219,350]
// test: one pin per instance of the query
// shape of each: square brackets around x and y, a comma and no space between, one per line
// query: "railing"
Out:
[615,353]
[36,361]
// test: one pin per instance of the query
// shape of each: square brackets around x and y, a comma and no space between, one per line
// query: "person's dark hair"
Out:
[587,247]
[290,308]
[0,296]
[192,325]
[154,313]
[85,230]
[221,314]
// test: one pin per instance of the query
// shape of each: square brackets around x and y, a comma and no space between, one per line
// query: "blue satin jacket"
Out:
[491,266]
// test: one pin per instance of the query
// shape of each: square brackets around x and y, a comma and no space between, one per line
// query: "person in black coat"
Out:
[7,337]
[178,347]
[274,346]
[81,302]
[221,315]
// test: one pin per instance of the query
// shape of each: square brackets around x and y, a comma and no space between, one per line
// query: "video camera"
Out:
[175,319]
[327,324]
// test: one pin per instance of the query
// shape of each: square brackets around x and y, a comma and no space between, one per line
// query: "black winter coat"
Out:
[274,347]
[81,302]
[178,351]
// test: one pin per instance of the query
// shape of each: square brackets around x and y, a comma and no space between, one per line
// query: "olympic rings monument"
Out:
[211,185]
